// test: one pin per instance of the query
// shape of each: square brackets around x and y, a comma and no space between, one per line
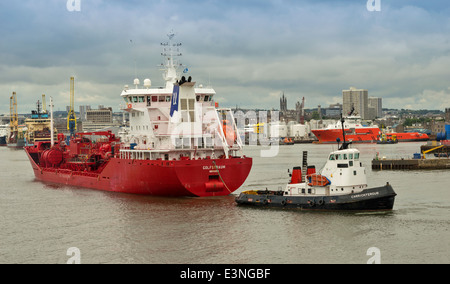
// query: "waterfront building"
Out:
[356,99]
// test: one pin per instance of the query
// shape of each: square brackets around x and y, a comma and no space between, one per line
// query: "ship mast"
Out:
[170,51]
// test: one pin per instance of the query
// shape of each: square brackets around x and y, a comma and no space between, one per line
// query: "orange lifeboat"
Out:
[230,135]
[318,180]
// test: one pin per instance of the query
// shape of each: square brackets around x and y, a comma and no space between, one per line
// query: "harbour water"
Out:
[41,222]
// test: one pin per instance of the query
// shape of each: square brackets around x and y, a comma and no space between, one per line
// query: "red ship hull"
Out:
[196,178]
[359,135]
[364,135]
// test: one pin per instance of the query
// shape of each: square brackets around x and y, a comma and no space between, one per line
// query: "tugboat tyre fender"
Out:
[311,203]
[321,202]
[283,202]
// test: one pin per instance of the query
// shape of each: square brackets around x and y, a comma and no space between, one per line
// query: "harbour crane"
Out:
[13,119]
[71,117]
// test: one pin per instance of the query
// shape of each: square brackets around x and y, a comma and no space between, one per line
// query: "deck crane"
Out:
[71,117]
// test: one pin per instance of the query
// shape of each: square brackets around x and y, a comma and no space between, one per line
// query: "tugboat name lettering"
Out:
[366,194]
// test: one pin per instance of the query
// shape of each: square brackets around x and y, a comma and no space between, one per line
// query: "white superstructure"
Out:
[351,122]
[178,120]
[4,130]
[344,172]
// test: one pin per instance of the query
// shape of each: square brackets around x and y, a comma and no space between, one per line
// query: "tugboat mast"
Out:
[345,144]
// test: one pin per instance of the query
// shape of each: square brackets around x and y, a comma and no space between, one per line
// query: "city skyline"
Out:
[249,51]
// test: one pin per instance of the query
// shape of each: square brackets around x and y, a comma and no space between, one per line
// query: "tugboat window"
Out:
[331,158]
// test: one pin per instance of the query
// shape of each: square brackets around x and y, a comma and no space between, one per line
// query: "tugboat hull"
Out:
[374,199]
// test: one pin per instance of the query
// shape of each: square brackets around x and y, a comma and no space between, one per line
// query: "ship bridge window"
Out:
[154,99]
[345,156]
[332,158]
[135,99]
[356,156]
[206,99]
[168,99]
[162,98]
[350,156]
[141,99]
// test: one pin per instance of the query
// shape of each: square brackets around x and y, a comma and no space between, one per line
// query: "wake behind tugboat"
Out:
[341,185]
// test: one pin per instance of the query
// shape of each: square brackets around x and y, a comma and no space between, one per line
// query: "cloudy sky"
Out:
[250,51]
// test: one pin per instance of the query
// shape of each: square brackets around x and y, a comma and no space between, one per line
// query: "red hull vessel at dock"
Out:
[358,133]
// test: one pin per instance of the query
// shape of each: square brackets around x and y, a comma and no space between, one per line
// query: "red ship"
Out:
[178,144]
[356,132]
[102,165]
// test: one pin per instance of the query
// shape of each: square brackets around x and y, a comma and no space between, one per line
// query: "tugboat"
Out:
[384,139]
[341,185]
[38,126]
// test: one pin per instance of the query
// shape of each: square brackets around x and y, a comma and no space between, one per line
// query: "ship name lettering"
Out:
[211,168]
[366,194]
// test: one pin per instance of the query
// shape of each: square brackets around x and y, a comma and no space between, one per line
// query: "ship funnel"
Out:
[296,175]
[311,170]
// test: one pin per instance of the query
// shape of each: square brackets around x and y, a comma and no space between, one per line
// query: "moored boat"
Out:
[356,132]
[4,133]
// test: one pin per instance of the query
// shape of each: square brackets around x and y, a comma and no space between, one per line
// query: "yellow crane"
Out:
[431,150]
[71,117]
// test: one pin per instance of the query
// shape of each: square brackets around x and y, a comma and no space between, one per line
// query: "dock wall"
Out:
[411,164]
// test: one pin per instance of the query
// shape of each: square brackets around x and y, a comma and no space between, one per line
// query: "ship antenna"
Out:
[170,51]
[345,144]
